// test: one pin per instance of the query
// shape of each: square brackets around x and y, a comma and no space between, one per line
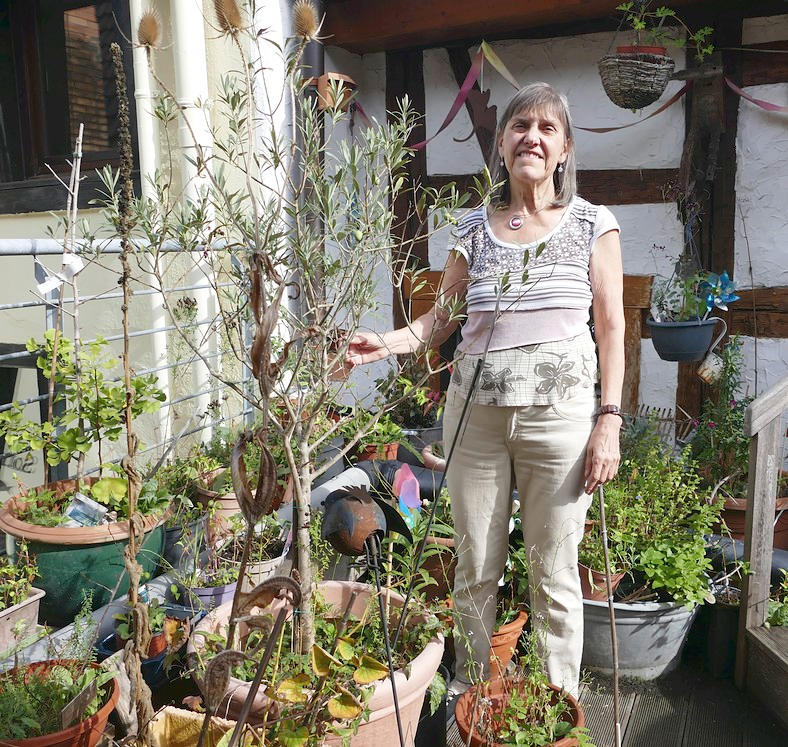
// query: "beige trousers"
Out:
[540,449]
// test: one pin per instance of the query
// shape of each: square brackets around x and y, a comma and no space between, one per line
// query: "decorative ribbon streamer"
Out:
[497,63]
[769,107]
[465,89]
[661,109]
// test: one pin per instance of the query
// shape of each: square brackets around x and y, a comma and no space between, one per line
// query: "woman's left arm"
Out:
[607,284]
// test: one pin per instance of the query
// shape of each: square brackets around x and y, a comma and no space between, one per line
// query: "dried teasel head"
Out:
[149,28]
[229,16]
[306,22]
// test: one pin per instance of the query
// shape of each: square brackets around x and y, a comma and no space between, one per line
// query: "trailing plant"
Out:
[778,604]
[16,577]
[719,443]
[414,404]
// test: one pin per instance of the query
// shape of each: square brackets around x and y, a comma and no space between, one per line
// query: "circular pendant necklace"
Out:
[515,222]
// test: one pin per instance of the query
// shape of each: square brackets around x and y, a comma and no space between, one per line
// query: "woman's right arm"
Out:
[427,331]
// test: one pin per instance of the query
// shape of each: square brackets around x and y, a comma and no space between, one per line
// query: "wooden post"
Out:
[763,425]
[637,297]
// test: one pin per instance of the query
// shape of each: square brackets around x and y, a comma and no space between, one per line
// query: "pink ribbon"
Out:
[758,102]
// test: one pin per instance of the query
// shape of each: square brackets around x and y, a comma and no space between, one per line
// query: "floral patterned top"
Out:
[539,374]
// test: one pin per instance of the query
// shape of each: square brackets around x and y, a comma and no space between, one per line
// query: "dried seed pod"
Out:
[276,587]
[253,505]
[306,22]
[217,678]
[149,28]
[229,16]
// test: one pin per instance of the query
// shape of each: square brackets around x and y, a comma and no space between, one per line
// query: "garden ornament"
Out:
[352,516]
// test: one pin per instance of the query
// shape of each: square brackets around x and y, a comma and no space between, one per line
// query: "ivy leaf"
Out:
[291,735]
[370,670]
[322,661]
[345,705]
[345,649]
[293,689]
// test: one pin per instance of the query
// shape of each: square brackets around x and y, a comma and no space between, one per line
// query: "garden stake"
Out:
[372,545]
[457,438]
[611,608]
[258,678]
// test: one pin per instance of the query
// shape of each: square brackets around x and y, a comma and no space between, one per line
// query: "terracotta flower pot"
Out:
[76,559]
[225,505]
[464,713]
[381,725]
[734,514]
[386,452]
[504,642]
[593,583]
[86,733]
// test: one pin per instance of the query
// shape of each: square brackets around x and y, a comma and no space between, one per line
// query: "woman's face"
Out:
[533,145]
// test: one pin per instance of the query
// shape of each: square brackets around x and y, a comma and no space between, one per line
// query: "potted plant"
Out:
[722,449]
[19,599]
[85,518]
[637,74]
[267,541]
[34,702]
[658,514]
[209,583]
[591,562]
[381,436]
[522,707]
[681,328]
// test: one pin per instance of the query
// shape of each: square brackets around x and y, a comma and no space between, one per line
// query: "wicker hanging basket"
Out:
[635,79]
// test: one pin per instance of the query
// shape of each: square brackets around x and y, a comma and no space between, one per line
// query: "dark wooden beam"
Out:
[604,186]
[405,76]
[759,68]
[373,25]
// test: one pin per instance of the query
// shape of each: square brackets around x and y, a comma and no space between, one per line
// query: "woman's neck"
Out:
[530,198]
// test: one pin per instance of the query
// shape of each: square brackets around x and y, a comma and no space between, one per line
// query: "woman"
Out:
[528,267]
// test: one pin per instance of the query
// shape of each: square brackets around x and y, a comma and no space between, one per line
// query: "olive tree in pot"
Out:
[305,212]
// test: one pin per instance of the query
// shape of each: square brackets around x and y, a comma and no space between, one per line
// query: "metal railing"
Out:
[26,313]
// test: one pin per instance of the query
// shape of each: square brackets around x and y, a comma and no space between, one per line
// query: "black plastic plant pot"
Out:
[682,341]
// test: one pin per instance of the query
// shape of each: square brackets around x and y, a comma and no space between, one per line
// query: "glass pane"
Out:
[89,79]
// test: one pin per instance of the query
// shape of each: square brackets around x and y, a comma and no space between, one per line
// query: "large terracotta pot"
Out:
[593,583]
[504,642]
[464,713]
[734,513]
[87,733]
[72,560]
[381,727]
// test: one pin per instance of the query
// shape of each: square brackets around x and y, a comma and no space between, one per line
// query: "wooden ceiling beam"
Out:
[375,25]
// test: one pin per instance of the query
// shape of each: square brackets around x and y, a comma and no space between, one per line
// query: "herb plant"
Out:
[16,577]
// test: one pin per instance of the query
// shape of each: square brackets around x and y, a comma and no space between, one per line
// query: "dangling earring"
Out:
[560,168]
[501,164]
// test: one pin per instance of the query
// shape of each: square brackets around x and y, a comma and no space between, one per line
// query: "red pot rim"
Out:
[93,726]
[103,533]
[642,49]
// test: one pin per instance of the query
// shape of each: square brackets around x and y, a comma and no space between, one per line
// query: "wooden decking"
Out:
[687,708]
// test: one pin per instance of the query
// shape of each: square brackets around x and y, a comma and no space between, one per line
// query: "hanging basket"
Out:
[635,79]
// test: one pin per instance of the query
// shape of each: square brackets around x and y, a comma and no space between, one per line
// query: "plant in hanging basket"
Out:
[638,74]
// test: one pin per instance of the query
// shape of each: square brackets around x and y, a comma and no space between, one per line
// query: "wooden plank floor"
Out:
[687,708]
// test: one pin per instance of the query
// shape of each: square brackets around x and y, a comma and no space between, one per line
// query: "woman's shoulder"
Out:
[469,221]
[585,210]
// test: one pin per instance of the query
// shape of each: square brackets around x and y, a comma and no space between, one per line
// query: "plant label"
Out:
[74,709]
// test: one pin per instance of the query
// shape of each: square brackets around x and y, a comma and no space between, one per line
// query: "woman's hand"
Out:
[603,455]
[366,348]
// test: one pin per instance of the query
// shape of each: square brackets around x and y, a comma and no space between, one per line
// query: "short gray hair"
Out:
[537,97]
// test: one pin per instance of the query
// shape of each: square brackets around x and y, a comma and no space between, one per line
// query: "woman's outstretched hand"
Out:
[366,348]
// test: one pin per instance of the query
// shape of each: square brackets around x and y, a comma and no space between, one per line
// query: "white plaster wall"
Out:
[761,30]
[761,189]
[569,64]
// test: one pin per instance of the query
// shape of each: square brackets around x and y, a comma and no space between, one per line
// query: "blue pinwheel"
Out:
[719,291]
